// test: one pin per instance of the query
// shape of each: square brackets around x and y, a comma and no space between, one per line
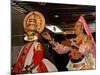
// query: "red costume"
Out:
[31,57]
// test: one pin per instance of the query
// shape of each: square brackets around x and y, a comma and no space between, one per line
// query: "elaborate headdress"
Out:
[33,22]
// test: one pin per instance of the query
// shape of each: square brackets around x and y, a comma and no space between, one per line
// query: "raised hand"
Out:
[46,36]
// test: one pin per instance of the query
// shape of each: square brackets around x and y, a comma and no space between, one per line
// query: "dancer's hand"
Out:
[46,36]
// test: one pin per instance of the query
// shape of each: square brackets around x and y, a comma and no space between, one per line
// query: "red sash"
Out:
[18,68]
[37,60]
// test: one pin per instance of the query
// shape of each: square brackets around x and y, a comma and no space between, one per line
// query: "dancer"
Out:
[31,58]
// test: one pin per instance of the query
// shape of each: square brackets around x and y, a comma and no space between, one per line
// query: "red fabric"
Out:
[20,63]
[38,56]
[42,68]
[37,60]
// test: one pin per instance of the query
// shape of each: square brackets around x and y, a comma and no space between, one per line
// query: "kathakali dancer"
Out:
[31,58]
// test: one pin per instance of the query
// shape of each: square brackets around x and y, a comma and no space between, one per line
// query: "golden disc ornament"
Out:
[34,21]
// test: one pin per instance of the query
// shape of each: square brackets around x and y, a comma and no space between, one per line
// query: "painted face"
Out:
[78,27]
